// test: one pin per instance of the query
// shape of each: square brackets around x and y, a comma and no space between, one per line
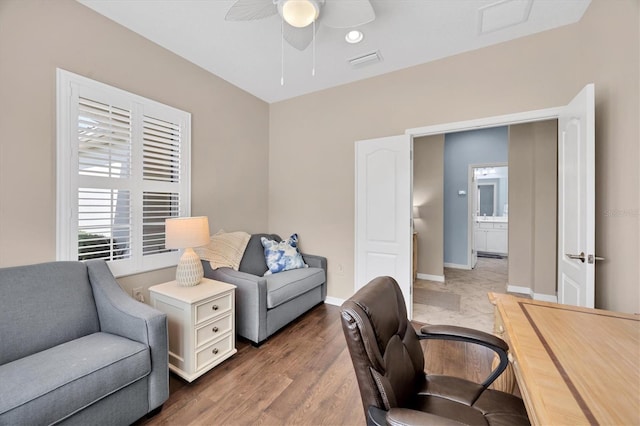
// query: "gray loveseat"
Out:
[76,349]
[266,304]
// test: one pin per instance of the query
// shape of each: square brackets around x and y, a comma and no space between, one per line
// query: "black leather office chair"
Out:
[389,365]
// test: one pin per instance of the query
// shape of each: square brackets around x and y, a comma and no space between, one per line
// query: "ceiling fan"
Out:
[298,15]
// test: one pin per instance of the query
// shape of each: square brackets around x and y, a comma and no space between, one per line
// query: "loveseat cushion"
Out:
[59,381]
[287,285]
[253,261]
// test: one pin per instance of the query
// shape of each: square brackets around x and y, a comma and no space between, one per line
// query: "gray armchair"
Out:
[76,348]
[266,304]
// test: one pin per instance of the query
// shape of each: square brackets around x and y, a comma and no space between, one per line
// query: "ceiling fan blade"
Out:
[347,14]
[300,38]
[250,10]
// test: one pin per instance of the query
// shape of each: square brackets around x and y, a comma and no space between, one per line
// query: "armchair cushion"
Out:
[66,302]
[69,372]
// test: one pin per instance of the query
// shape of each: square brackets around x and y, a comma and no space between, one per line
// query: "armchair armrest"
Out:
[122,315]
[469,335]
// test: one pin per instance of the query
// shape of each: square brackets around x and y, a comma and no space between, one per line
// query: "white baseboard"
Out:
[519,290]
[545,297]
[457,266]
[535,296]
[429,277]
[333,301]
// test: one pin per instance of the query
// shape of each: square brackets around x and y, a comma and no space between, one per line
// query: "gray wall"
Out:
[460,150]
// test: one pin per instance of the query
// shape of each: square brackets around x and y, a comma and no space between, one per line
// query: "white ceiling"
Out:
[405,32]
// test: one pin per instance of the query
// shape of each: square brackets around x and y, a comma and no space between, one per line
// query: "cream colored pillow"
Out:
[225,249]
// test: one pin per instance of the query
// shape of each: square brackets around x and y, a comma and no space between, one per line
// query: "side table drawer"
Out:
[213,308]
[214,330]
[214,351]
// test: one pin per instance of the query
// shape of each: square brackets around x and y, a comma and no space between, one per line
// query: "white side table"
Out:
[201,324]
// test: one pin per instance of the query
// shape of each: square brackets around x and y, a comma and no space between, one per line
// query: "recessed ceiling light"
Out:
[354,37]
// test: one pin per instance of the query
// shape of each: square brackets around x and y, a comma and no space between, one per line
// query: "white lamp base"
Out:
[189,271]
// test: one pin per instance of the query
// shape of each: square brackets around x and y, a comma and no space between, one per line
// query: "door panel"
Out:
[383,243]
[576,206]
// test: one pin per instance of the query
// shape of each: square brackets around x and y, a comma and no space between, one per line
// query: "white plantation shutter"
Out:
[161,150]
[157,207]
[123,169]
[161,170]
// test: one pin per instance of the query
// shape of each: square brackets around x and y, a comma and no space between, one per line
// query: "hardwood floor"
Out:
[301,376]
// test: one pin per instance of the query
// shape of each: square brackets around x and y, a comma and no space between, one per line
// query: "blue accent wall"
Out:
[460,150]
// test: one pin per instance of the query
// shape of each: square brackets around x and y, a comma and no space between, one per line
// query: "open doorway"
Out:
[574,122]
[489,214]
[483,200]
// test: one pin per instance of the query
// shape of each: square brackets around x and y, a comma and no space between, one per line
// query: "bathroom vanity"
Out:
[492,235]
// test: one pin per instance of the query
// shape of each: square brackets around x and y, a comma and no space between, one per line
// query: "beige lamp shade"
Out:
[185,233]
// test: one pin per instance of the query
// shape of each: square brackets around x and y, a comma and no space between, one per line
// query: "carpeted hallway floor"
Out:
[462,298]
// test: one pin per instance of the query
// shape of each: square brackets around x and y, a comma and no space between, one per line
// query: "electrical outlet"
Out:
[137,294]
[340,269]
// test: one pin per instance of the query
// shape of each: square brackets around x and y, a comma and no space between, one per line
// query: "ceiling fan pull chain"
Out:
[281,51]
[313,69]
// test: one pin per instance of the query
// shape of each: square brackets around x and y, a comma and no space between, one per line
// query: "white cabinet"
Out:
[201,324]
[491,237]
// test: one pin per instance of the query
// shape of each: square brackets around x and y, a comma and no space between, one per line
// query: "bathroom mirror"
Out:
[492,191]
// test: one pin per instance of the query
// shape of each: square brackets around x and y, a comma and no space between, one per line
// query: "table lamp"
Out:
[186,233]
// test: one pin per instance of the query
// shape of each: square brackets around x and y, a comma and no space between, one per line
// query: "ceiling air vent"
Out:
[366,59]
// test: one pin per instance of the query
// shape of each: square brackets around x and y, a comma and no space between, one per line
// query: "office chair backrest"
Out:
[384,347]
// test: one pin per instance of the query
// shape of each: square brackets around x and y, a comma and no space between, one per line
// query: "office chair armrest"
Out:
[404,417]
[469,335]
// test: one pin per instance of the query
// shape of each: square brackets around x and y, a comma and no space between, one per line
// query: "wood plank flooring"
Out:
[301,376]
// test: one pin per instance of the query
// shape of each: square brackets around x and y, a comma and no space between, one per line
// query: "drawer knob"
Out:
[214,329]
[214,307]
[215,351]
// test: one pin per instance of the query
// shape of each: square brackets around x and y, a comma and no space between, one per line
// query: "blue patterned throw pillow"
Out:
[283,255]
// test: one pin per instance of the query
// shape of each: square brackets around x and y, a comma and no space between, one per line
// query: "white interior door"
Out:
[576,194]
[383,243]
[472,196]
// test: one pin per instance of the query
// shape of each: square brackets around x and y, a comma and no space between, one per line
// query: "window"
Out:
[123,168]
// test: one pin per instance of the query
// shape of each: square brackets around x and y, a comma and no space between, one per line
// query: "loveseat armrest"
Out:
[315,261]
[251,300]
[121,315]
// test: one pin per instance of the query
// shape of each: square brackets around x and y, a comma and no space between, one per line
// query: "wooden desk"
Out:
[573,365]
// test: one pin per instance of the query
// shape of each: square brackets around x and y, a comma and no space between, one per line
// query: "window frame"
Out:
[68,87]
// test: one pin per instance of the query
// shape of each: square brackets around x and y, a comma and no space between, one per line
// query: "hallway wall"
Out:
[533,191]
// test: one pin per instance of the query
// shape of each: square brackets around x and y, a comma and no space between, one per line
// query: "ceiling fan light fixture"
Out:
[354,36]
[299,13]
